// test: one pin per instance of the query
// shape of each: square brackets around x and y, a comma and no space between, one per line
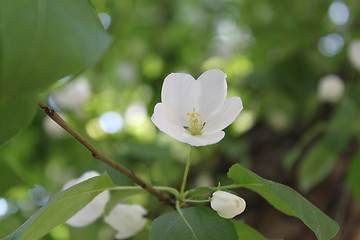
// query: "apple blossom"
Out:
[196,111]
[227,205]
[94,209]
[126,219]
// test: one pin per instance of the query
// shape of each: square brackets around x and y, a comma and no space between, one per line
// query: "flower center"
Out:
[196,123]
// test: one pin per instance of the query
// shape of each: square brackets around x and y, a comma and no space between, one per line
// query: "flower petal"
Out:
[180,92]
[126,219]
[169,124]
[223,117]
[91,212]
[94,209]
[166,121]
[202,140]
[213,91]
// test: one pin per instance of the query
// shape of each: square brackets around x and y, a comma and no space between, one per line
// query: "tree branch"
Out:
[100,156]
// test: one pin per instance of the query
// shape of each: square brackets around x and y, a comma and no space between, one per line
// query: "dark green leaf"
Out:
[296,151]
[316,165]
[42,41]
[16,112]
[61,208]
[353,177]
[287,201]
[321,159]
[245,232]
[199,191]
[197,223]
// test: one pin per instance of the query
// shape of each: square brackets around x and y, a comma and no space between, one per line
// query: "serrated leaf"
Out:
[197,223]
[61,208]
[287,201]
[42,41]
[245,232]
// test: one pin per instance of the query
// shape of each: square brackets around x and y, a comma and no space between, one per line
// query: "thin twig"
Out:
[100,156]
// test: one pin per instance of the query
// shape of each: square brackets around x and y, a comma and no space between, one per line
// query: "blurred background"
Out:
[295,65]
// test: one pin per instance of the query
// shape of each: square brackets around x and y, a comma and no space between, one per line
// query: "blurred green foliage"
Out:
[271,52]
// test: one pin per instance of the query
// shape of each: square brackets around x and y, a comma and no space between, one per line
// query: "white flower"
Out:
[227,205]
[126,219]
[196,111]
[94,209]
[331,88]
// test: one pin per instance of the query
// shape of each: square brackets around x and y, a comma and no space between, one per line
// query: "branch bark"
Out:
[102,157]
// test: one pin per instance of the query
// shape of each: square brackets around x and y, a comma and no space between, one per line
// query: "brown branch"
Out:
[100,156]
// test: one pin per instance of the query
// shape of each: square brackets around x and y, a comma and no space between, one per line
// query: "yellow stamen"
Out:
[196,124]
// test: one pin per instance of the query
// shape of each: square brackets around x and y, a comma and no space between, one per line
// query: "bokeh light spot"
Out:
[239,66]
[331,88]
[94,130]
[331,44]
[152,66]
[244,122]
[105,19]
[111,122]
[135,115]
[354,53]
[65,79]
[73,95]
[52,103]
[212,62]
[3,207]
[339,13]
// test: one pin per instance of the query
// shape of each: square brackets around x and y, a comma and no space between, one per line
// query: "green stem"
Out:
[196,201]
[185,174]
[97,154]
[171,190]
[215,188]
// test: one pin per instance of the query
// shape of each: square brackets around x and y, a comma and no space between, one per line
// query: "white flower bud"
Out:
[126,219]
[227,205]
[331,88]
[94,209]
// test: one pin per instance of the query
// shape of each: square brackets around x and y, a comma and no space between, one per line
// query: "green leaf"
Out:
[293,155]
[199,191]
[16,112]
[61,208]
[42,41]
[286,200]
[353,177]
[195,223]
[316,165]
[321,159]
[245,232]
